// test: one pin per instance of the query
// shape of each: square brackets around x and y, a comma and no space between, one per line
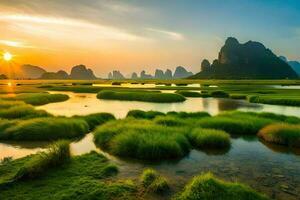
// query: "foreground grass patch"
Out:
[153,182]
[140,114]
[209,139]
[22,111]
[45,129]
[142,139]
[83,177]
[38,98]
[284,134]
[96,119]
[208,187]
[57,154]
[156,97]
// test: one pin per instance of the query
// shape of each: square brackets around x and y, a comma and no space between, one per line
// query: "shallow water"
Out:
[271,169]
[86,103]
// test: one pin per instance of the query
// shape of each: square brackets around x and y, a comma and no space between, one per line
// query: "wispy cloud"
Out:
[16,44]
[36,24]
[168,34]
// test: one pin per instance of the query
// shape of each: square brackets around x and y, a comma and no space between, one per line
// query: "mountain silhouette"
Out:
[251,60]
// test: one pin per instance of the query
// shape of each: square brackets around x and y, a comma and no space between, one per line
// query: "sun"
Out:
[7,56]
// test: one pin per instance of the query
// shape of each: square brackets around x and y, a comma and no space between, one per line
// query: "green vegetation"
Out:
[82,177]
[238,96]
[96,119]
[209,139]
[57,155]
[142,139]
[22,112]
[208,187]
[284,134]
[275,100]
[38,98]
[45,129]
[153,182]
[219,93]
[140,96]
[185,115]
[140,114]
[169,121]
[188,93]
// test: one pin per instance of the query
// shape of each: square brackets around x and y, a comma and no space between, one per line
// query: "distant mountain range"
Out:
[251,60]
[180,72]
[294,64]
[22,72]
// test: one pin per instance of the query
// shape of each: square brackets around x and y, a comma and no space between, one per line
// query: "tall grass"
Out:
[284,134]
[46,129]
[140,114]
[208,187]
[185,115]
[141,96]
[209,139]
[153,182]
[57,154]
[38,98]
[219,93]
[22,111]
[96,119]
[142,139]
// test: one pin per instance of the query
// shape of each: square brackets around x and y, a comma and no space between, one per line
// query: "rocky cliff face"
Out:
[251,60]
[81,72]
[181,72]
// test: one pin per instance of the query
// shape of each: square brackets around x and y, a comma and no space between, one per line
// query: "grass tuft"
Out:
[283,134]
[96,119]
[139,114]
[153,182]
[186,93]
[38,98]
[208,187]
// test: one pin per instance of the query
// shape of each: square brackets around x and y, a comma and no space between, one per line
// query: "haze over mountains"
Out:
[251,60]
[180,72]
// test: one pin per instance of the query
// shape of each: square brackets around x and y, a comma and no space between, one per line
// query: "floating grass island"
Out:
[155,97]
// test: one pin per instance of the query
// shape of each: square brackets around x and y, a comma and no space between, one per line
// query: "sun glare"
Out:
[7,56]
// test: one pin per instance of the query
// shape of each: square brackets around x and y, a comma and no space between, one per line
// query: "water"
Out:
[271,169]
[274,170]
[86,103]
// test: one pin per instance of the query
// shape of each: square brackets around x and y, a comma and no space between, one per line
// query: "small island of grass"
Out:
[146,96]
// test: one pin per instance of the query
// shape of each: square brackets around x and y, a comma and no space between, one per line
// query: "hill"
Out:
[251,60]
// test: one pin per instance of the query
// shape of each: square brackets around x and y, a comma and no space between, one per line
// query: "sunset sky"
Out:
[141,34]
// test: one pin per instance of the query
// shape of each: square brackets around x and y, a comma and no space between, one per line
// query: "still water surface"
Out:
[271,169]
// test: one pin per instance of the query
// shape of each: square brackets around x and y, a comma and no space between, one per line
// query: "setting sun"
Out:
[7,56]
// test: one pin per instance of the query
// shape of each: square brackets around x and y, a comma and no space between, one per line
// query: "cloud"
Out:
[16,44]
[58,26]
[168,34]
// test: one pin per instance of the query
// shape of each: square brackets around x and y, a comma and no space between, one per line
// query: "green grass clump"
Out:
[88,176]
[184,115]
[22,111]
[276,100]
[46,129]
[153,182]
[96,119]
[188,93]
[38,98]
[140,114]
[169,121]
[57,155]
[284,134]
[9,104]
[208,187]
[209,138]
[142,139]
[234,125]
[219,93]
[155,97]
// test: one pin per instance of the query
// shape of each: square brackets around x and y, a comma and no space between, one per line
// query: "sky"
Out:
[132,35]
